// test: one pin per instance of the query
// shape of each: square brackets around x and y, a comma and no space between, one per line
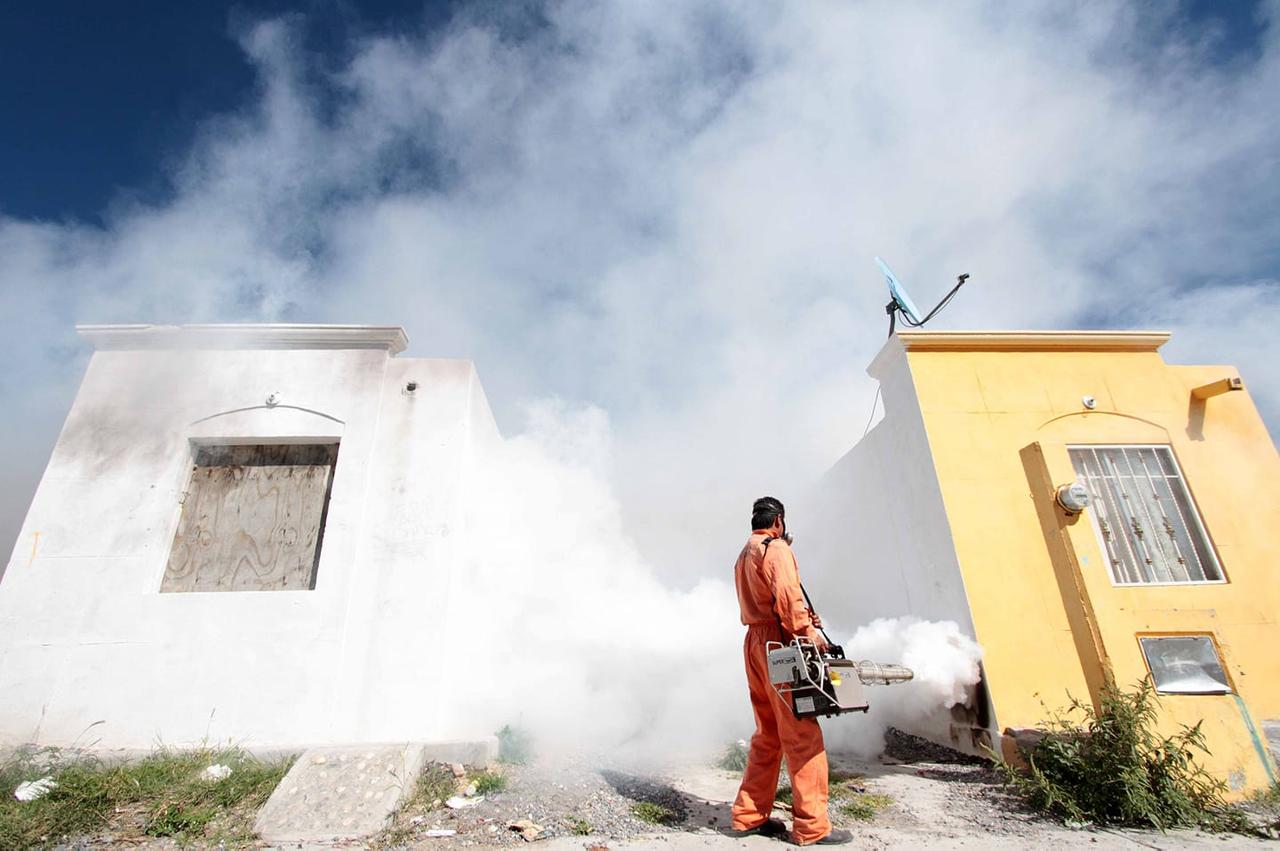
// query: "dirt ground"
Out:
[582,807]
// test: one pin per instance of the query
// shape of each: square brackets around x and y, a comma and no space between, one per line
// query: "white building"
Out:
[244,533]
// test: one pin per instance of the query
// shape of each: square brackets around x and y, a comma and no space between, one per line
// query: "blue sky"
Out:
[101,97]
[597,202]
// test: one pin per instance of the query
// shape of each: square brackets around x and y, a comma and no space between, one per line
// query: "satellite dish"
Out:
[899,294]
[900,302]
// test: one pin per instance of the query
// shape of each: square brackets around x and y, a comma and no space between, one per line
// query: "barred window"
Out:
[1144,515]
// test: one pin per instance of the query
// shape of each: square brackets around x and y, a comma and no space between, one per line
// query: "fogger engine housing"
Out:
[825,684]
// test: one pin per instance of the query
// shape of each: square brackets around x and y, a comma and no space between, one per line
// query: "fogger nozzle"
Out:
[876,673]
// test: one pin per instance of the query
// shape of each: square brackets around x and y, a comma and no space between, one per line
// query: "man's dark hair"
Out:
[765,511]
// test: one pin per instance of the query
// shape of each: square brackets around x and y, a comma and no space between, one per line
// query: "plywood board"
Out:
[253,519]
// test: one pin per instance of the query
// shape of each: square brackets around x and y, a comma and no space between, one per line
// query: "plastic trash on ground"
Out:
[216,772]
[30,790]
[457,802]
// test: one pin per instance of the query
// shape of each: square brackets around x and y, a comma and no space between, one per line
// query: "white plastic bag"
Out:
[32,789]
[216,772]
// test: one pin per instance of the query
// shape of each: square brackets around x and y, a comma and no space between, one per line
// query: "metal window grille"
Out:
[1144,515]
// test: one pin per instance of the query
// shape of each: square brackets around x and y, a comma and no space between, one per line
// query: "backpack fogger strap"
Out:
[808,602]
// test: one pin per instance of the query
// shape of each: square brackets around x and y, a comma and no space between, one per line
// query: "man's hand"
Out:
[817,621]
[818,641]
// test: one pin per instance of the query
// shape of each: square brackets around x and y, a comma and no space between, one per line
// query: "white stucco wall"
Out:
[881,544]
[85,635]
[877,542]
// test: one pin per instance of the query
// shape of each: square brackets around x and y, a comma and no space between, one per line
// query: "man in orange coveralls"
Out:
[774,609]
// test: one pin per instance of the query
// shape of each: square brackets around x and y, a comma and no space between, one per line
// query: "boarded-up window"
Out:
[253,519]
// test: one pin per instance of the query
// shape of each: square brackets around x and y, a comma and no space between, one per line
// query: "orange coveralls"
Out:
[773,609]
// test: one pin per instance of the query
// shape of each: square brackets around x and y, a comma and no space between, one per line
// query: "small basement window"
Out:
[1184,664]
[253,518]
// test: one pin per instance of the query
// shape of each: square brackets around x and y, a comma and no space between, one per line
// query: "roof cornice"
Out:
[1013,341]
[390,338]
[1034,341]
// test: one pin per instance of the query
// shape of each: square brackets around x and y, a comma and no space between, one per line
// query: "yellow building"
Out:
[1172,570]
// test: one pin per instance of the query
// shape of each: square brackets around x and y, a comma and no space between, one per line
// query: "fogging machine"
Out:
[825,683]
[822,684]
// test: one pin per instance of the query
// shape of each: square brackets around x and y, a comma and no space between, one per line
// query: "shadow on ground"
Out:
[690,812]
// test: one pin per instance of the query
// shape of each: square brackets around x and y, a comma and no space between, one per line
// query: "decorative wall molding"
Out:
[390,338]
[1076,341]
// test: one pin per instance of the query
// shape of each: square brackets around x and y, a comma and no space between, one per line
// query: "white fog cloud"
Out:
[668,212]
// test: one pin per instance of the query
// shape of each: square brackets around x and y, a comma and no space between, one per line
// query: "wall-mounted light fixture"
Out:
[1072,498]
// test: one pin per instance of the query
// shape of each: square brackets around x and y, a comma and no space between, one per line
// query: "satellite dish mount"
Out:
[901,303]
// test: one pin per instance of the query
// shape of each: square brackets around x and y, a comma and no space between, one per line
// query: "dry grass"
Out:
[435,785]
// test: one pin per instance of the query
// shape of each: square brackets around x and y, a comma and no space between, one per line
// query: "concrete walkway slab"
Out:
[339,793]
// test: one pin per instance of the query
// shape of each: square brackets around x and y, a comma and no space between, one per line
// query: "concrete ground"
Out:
[934,805]
[931,809]
[1119,840]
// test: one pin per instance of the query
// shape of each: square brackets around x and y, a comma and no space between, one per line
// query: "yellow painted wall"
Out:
[1043,604]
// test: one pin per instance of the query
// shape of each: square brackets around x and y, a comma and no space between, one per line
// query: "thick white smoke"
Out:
[591,650]
[945,662]
[670,212]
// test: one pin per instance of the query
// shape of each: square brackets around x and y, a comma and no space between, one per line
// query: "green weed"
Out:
[515,746]
[864,805]
[1110,766]
[1268,797]
[489,782]
[1264,807]
[734,757]
[652,813]
[838,781]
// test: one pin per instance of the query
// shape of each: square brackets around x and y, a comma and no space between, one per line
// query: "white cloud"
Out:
[669,212]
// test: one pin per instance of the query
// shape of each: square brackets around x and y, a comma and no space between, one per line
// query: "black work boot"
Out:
[770,827]
[837,836]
